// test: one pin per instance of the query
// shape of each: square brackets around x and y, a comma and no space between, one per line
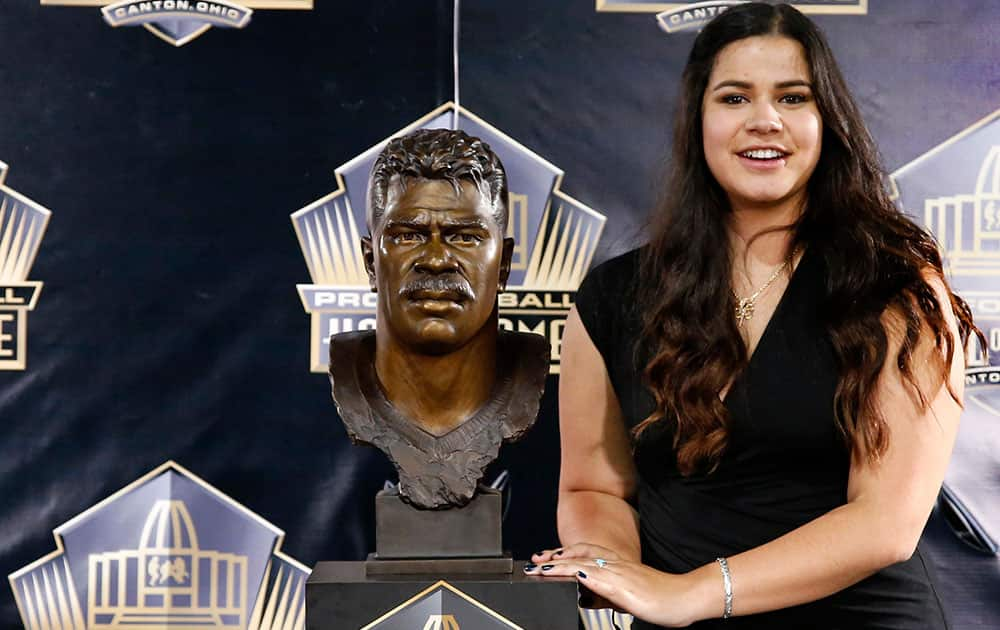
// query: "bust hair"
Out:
[443,154]
[878,261]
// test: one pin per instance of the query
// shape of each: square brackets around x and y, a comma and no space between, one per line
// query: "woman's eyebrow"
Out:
[793,83]
[743,85]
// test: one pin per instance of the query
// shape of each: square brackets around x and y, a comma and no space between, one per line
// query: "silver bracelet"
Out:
[727,583]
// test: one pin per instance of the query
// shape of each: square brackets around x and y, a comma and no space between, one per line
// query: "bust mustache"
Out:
[452,287]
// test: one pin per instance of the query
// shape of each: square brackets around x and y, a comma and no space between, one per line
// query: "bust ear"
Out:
[369,256]
[508,253]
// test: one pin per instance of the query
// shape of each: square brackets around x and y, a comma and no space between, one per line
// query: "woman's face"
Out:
[762,130]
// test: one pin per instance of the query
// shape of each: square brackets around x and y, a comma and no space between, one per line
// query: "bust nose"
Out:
[436,258]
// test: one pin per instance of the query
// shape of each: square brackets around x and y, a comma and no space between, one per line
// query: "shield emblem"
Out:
[953,190]
[178,32]
[177,21]
[167,551]
[555,235]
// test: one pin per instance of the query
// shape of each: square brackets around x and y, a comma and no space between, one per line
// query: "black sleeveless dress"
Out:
[785,464]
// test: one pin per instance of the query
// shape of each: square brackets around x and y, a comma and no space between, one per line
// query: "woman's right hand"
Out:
[580,550]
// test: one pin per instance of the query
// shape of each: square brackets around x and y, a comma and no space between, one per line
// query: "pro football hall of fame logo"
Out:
[683,16]
[555,236]
[953,190]
[22,226]
[168,551]
[180,21]
[441,606]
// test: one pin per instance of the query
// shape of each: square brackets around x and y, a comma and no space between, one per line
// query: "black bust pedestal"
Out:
[437,570]
[342,596]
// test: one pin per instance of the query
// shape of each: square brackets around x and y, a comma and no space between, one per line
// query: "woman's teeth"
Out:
[763,154]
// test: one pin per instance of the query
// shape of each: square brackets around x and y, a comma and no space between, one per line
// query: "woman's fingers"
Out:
[545,555]
[569,567]
[579,550]
[606,580]
[604,584]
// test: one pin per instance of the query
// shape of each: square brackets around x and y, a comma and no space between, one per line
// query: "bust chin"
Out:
[438,471]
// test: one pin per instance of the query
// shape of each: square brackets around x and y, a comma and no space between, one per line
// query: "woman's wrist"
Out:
[706,592]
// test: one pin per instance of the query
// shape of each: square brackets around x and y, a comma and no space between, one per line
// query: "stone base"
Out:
[472,531]
[341,596]
[438,566]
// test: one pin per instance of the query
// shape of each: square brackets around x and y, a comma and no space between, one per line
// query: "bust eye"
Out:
[408,237]
[464,238]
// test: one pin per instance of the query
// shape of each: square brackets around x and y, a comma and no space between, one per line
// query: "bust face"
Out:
[436,258]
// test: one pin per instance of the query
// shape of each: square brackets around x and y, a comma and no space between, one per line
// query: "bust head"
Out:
[437,253]
[437,387]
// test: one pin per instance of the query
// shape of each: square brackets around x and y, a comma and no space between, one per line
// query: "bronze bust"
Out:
[437,387]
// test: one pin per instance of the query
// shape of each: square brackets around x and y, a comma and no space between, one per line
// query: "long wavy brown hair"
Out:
[877,260]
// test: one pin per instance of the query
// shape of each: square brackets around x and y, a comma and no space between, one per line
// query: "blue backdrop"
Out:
[169,326]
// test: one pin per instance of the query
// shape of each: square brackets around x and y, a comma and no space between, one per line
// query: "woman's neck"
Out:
[763,234]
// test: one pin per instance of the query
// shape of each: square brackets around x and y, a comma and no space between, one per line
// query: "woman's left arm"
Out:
[888,504]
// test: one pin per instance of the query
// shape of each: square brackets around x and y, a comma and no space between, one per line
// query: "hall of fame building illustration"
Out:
[953,190]
[22,226]
[168,551]
[555,240]
[178,22]
[967,225]
[165,573]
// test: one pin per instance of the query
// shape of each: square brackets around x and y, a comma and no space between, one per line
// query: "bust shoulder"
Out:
[349,351]
[526,358]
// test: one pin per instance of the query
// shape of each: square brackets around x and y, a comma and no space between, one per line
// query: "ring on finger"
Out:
[600,562]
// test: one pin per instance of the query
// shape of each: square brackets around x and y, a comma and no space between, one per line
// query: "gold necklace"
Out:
[745,306]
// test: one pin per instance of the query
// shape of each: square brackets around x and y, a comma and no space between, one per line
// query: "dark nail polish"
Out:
[582,574]
[538,553]
[546,567]
[558,553]
[530,566]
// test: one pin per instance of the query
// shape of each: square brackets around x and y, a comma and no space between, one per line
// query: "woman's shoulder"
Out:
[629,260]
[607,299]
[618,272]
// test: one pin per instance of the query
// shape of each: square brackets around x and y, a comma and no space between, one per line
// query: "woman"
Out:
[758,426]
